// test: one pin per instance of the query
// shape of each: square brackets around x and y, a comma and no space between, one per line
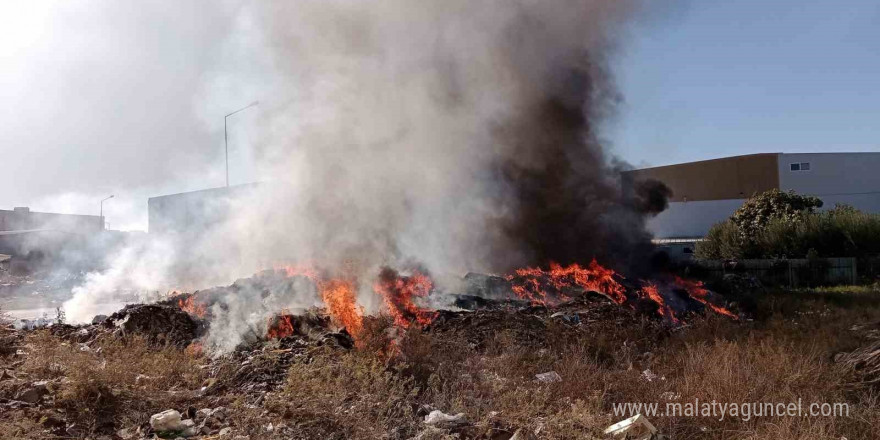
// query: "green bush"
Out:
[785,225]
[722,243]
[772,206]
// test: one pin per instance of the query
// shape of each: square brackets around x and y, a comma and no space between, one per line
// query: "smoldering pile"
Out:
[535,307]
[252,311]
[576,295]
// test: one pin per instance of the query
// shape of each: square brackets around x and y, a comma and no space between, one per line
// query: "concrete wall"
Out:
[193,212]
[20,219]
[45,233]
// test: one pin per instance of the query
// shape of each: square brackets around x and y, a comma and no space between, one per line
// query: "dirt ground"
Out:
[105,381]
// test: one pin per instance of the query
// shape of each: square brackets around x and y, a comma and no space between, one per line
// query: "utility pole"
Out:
[226,135]
[102,210]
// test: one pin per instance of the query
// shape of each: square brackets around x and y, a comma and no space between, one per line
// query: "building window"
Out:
[803,166]
[795,167]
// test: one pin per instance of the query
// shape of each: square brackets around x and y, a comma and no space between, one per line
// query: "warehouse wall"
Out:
[714,189]
[691,219]
[718,179]
[850,178]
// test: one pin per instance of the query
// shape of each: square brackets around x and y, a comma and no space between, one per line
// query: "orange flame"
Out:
[652,292]
[529,283]
[280,326]
[299,270]
[398,291]
[190,306]
[338,295]
[697,291]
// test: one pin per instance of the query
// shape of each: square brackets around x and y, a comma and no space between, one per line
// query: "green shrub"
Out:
[785,225]
[722,243]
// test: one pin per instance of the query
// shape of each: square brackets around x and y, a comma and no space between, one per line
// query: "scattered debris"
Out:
[442,420]
[864,362]
[33,394]
[669,395]
[634,428]
[549,377]
[569,318]
[166,421]
[650,376]
[522,434]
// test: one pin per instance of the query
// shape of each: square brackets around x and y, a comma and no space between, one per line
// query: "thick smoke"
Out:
[453,135]
[460,134]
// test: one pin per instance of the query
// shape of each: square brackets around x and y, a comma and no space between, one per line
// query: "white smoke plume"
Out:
[387,136]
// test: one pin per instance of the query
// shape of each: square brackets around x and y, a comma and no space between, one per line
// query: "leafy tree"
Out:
[758,211]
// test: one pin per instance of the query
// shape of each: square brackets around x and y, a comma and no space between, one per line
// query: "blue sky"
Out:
[717,78]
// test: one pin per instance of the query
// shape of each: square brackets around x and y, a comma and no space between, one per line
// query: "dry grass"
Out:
[7,344]
[383,389]
[115,382]
[785,357]
[346,396]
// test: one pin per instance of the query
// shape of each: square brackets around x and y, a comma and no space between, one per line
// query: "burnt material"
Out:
[159,323]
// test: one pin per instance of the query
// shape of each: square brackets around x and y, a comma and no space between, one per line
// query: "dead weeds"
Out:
[485,367]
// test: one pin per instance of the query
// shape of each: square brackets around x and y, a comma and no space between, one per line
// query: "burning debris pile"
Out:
[248,336]
[668,296]
[160,324]
[411,299]
[502,335]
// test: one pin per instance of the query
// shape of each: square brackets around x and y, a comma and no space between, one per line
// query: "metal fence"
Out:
[790,272]
[869,270]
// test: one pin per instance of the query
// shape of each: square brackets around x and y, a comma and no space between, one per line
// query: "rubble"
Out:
[166,421]
[160,323]
[34,393]
[210,421]
[528,324]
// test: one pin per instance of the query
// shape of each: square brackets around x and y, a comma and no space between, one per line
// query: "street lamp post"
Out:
[226,136]
[102,210]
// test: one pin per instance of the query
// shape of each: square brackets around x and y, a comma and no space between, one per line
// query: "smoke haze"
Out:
[450,135]
[103,98]
[457,133]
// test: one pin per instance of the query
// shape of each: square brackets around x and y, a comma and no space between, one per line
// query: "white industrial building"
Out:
[708,192]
